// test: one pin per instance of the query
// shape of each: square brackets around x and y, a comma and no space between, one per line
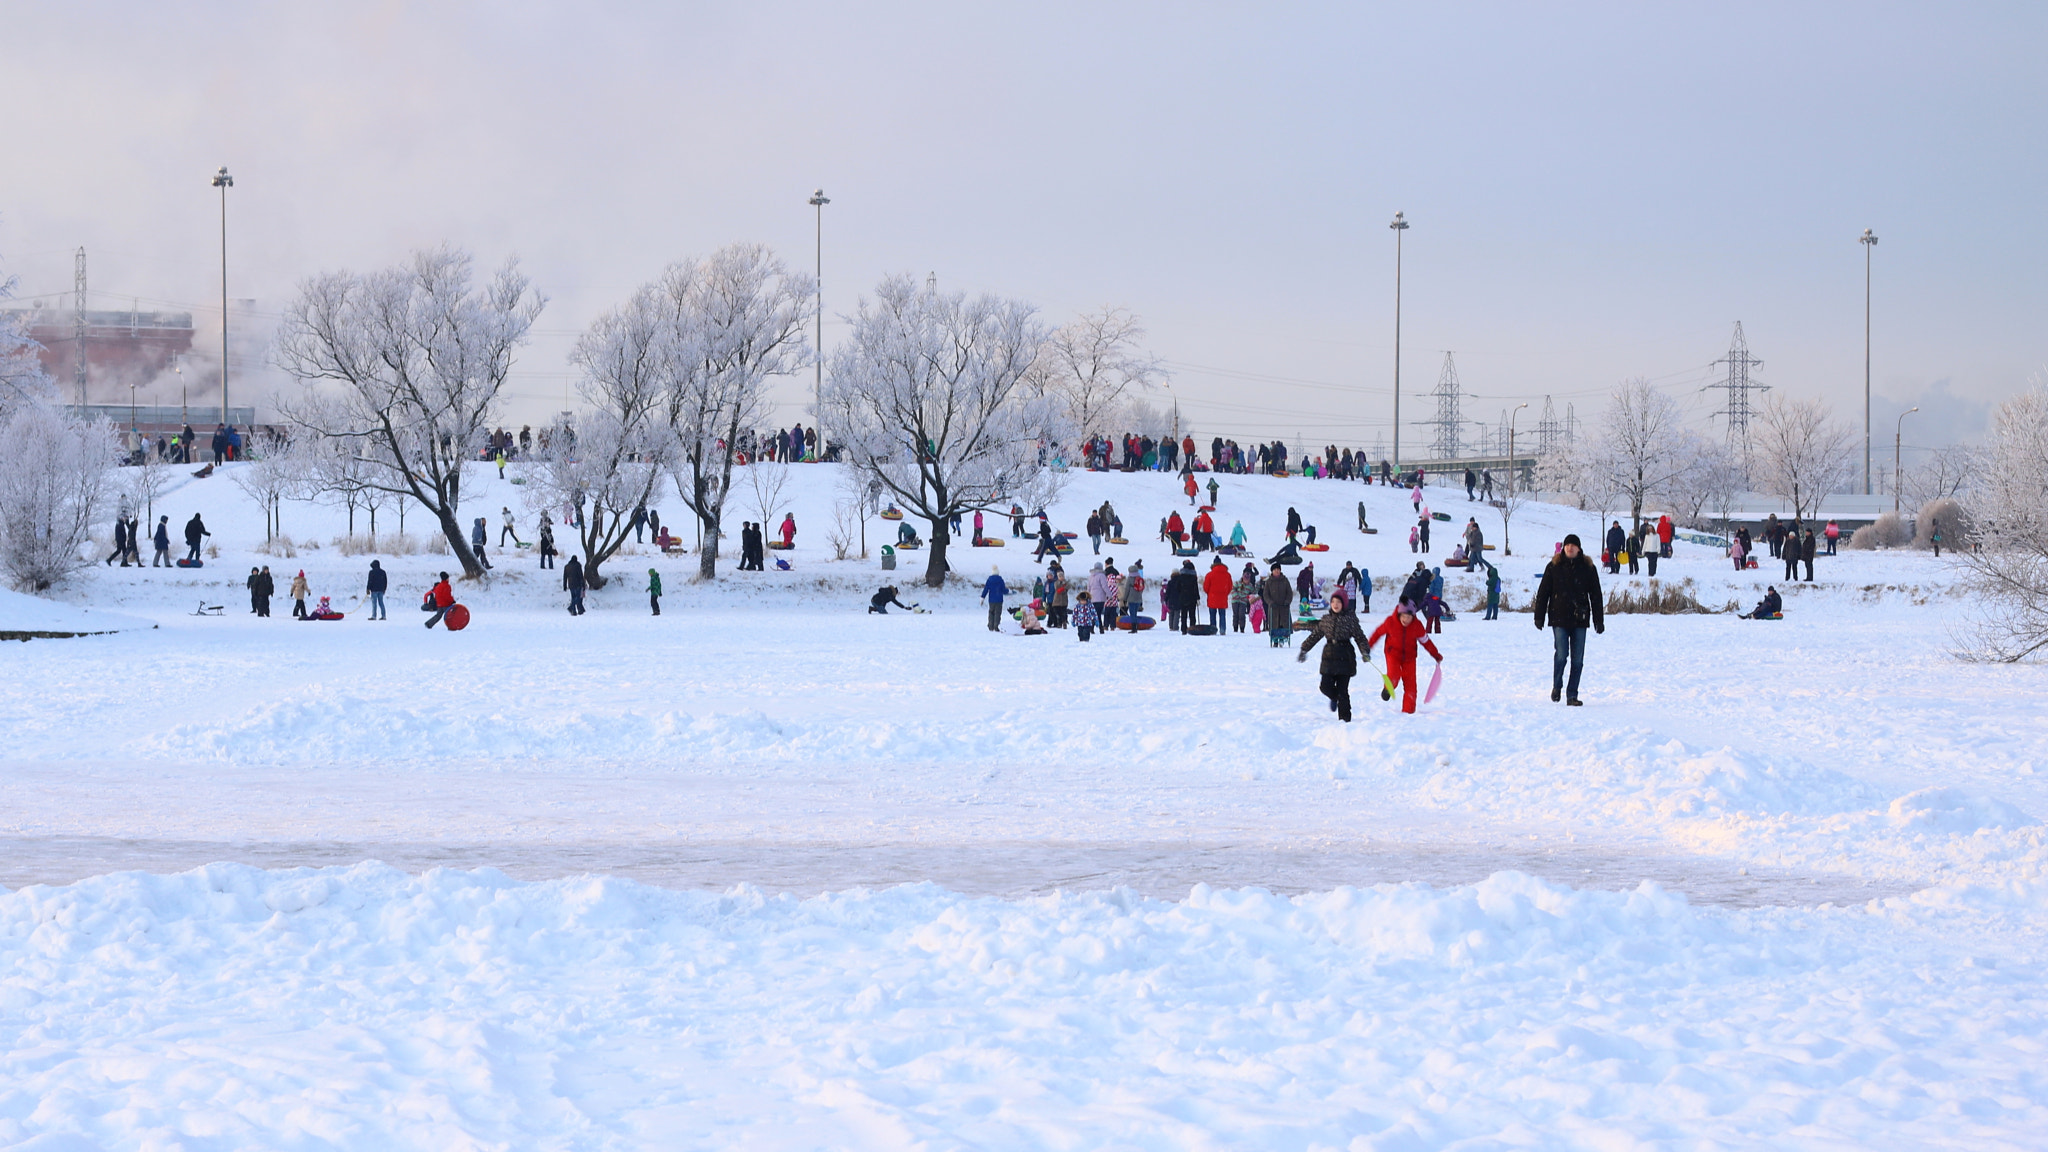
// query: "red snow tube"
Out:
[1315,547]
[457,618]
[1135,623]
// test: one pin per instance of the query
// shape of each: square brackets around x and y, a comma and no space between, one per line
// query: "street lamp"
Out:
[1399,226]
[1898,434]
[1506,548]
[1869,241]
[223,181]
[818,201]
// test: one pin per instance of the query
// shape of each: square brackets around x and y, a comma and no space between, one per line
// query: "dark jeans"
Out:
[575,601]
[437,611]
[1338,689]
[1492,611]
[1182,619]
[377,606]
[547,559]
[1216,621]
[1096,539]
[1809,571]
[1084,630]
[654,602]
[1651,556]
[1238,612]
[1570,644]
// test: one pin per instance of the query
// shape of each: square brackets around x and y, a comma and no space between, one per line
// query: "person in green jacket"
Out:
[1492,591]
[654,591]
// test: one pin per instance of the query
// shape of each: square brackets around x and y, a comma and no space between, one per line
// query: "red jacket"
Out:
[1190,485]
[1664,529]
[1174,527]
[1218,584]
[443,595]
[1402,639]
[1203,524]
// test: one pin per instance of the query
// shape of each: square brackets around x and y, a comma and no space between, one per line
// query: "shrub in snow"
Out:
[54,479]
[1660,598]
[1950,516]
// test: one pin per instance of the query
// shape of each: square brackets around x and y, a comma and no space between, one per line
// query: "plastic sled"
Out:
[1315,547]
[457,618]
[781,565]
[1370,531]
[1436,681]
[191,563]
[1206,508]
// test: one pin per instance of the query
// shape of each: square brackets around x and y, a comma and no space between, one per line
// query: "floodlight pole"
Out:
[1898,436]
[1869,242]
[818,201]
[223,181]
[1399,226]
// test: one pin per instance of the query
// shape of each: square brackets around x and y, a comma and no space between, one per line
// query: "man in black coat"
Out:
[120,541]
[1569,600]
[1617,542]
[1183,592]
[162,540]
[194,530]
[572,581]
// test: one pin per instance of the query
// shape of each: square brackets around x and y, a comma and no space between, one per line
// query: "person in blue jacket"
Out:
[993,590]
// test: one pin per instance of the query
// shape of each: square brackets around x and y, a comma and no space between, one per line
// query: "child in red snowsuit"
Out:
[1403,631]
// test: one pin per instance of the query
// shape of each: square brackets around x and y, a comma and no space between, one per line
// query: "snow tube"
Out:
[1206,508]
[457,618]
[1187,551]
[892,514]
[1135,623]
[323,616]
[1070,535]
[779,546]
[1202,630]
[1315,547]
[1118,540]
[202,564]
[987,542]
[1443,516]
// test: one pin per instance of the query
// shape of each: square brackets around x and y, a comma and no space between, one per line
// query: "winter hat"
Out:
[1573,540]
[302,573]
[996,568]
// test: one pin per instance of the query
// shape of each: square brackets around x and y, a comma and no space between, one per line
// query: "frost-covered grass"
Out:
[768,721]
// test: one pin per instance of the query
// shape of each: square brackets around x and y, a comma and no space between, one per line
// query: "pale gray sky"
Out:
[1597,191]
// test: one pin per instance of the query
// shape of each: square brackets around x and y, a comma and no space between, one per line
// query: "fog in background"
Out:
[1594,196]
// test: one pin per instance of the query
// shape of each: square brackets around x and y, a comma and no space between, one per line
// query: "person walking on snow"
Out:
[1569,600]
[120,551]
[1492,592]
[993,590]
[1276,599]
[480,535]
[439,601]
[788,530]
[1241,593]
[194,529]
[547,545]
[299,591]
[1617,542]
[1402,631]
[573,582]
[162,540]
[1347,644]
[507,528]
[1834,533]
[1293,525]
[1191,488]
[375,587]
[654,591]
[255,586]
[1213,489]
[1045,544]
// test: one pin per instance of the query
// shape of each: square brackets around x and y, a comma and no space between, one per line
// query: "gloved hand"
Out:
[1301,657]
[1599,629]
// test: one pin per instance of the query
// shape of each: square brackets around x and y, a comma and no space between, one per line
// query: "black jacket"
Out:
[1183,589]
[379,580]
[1278,595]
[1617,540]
[163,534]
[1569,596]
[1416,590]
[1293,521]
[572,575]
[1341,629]
[194,529]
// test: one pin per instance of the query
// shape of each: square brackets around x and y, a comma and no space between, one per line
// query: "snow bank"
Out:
[23,616]
[365,1008]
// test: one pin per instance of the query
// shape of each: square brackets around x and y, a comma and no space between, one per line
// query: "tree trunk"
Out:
[458,544]
[707,552]
[935,564]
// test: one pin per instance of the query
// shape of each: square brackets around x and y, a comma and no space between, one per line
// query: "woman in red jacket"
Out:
[1402,632]
[1216,588]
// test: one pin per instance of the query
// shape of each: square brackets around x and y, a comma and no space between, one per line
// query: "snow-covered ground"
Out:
[1154,895]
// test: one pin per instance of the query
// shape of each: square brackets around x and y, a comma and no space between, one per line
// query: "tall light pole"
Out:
[1898,435]
[1869,241]
[818,201]
[1399,226]
[223,181]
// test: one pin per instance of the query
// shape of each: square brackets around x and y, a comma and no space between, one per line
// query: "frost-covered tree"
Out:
[1799,453]
[929,393]
[55,478]
[723,326]
[1948,473]
[622,442]
[276,472]
[409,362]
[1707,478]
[2010,572]
[1093,366]
[22,379]
[1639,448]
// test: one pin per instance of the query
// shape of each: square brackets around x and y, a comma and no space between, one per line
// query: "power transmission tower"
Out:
[1739,383]
[78,330]
[1547,429]
[1571,426]
[1447,419]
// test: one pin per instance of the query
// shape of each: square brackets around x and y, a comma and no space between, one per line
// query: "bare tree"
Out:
[766,480]
[1799,453]
[54,478]
[1946,474]
[268,480]
[419,360]
[727,324]
[1093,365]
[929,392]
[1638,447]
[619,448]
[1514,496]
[1708,477]
[148,479]
[2010,573]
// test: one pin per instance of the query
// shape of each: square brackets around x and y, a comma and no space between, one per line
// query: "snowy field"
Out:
[769,872]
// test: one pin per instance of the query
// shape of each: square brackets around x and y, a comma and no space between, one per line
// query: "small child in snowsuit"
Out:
[1085,616]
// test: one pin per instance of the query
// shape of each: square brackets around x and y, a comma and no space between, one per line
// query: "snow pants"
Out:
[995,615]
[1084,630]
[1237,614]
[1571,645]
[1338,689]
[1403,676]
